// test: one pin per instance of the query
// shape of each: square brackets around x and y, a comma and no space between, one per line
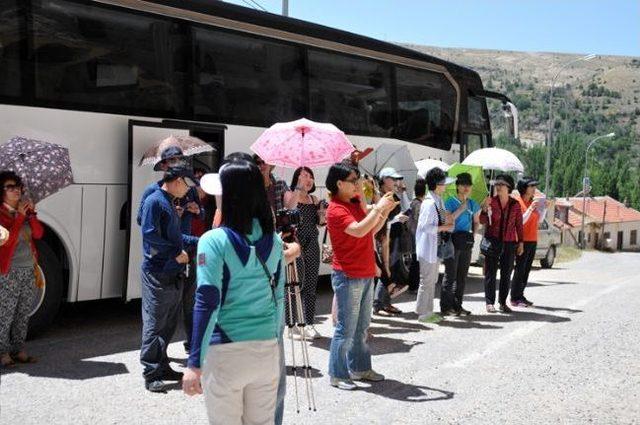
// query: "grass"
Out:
[566,254]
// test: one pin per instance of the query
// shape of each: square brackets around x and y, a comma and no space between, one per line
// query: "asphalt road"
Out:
[574,358]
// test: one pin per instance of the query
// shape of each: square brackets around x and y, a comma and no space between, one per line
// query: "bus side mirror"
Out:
[511,116]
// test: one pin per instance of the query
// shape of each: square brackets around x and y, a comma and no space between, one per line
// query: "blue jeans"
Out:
[349,351]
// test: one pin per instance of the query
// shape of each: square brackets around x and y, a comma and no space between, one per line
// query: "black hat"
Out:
[181,171]
[464,179]
[169,153]
[526,182]
[504,179]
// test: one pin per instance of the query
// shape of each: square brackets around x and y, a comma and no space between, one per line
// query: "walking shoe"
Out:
[398,290]
[463,312]
[156,386]
[433,318]
[172,375]
[505,308]
[369,375]
[343,384]
[491,308]
[449,312]
[518,303]
[527,302]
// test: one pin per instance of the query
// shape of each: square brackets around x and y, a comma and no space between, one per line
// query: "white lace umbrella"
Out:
[495,159]
[424,165]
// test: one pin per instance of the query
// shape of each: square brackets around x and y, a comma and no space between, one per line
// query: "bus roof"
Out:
[274,21]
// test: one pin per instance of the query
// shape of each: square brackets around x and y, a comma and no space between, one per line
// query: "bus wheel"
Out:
[48,299]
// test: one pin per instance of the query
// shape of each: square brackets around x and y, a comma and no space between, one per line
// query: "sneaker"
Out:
[369,375]
[172,375]
[156,386]
[433,318]
[527,302]
[343,384]
[491,308]
[505,308]
[518,303]
[398,290]
[449,312]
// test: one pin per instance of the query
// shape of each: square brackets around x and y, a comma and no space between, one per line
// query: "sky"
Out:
[606,27]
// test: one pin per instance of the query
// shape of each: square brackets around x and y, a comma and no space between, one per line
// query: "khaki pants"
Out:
[240,382]
[427,289]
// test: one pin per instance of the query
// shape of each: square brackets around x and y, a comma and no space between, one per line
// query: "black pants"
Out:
[455,279]
[161,298]
[504,262]
[521,272]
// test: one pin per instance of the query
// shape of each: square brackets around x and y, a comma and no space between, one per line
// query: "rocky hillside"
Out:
[590,97]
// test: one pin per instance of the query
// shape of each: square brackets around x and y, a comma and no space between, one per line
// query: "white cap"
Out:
[389,172]
[211,184]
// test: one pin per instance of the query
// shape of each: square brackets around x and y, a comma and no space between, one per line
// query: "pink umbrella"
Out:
[302,143]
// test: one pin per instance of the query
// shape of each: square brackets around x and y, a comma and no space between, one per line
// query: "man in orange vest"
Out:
[532,215]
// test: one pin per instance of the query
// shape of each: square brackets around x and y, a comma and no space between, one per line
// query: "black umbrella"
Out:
[45,168]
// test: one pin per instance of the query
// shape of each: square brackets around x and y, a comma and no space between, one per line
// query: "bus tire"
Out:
[48,300]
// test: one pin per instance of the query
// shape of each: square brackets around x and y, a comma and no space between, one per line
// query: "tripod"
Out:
[292,288]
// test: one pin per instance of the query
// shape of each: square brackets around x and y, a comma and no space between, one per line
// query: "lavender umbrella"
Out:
[45,168]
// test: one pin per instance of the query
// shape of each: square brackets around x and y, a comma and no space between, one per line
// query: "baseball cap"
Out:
[169,153]
[525,182]
[504,179]
[181,171]
[389,172]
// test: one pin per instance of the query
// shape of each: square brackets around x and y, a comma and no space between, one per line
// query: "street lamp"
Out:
[584,185]
[547,163]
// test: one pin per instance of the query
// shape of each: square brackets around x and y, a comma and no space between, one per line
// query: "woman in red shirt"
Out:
[351,229]
[502,216]
[17,264]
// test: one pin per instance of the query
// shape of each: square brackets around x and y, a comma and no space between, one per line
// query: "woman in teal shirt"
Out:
[238,312]
[466,213]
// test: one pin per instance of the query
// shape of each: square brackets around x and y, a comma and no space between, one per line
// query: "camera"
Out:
[287,220]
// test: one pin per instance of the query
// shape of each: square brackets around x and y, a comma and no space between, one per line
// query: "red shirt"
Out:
[512,227]
[353,256]
[14,226]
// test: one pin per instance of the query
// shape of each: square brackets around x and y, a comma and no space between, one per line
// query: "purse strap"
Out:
[324,238]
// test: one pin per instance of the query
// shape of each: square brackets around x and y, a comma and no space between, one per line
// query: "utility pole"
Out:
[285,7]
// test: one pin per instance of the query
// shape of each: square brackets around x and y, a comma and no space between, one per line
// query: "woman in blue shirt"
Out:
[238,312]
[466,213]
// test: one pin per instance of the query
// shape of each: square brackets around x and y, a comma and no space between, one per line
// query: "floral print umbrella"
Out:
[45,168]
[189,146]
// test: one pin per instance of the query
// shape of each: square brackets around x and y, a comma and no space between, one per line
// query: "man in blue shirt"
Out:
[163,269]
[465,212]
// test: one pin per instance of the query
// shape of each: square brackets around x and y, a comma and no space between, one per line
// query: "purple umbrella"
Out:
[45,168]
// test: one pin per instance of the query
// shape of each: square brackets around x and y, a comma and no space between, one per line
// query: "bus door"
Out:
[142,135]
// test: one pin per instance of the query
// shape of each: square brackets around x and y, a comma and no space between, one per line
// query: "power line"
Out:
[254,4]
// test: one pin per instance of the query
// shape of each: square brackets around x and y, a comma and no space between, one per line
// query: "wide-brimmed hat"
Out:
[169,153]
[211,184]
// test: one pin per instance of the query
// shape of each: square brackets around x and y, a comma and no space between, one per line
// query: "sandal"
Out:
[7,361]
[24,359]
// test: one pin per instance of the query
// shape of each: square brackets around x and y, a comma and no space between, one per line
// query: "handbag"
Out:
[445,245]
[492,247]
[327,251]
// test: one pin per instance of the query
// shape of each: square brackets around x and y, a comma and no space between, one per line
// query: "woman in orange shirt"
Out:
[531,217]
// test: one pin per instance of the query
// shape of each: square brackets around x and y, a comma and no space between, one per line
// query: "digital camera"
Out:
[287,220]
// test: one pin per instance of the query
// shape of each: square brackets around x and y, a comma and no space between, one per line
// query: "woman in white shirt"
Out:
[431,221]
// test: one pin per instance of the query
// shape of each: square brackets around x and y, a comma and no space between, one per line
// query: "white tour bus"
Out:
[107,78]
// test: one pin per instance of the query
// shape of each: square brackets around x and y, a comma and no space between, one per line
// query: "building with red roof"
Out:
[609,224]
